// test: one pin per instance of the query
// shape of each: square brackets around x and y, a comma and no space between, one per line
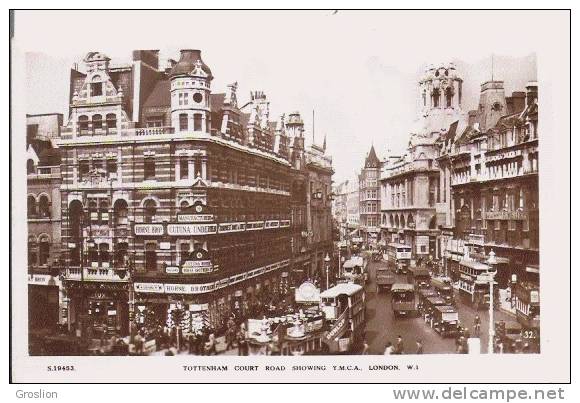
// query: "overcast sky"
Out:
[357,70]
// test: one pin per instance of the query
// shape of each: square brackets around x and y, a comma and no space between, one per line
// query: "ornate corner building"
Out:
[172,194]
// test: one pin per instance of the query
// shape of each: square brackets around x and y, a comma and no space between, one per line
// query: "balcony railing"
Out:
[419,165]
[505,215]
[95,274]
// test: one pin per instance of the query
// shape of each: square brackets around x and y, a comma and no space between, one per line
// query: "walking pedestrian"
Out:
[365,349]
[399,346]
[419,346]
[476,326]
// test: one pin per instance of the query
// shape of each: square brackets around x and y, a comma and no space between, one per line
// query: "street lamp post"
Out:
[491,261]
[327,261]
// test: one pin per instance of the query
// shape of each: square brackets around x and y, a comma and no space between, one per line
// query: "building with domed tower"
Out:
[411,198]
[174,196]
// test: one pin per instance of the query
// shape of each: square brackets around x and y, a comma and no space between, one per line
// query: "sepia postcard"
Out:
[290,196]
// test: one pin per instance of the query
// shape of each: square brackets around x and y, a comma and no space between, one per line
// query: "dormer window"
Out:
[96,86]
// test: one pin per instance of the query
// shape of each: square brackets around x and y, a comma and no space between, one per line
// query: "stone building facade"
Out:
[45,298]
[175,196]
[410,188]
[370,198]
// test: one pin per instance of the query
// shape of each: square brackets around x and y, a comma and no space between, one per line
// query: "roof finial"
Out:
[313,137]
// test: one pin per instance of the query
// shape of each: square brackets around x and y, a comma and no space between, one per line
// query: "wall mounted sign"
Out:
[184,218]
[148,229]
[191,229]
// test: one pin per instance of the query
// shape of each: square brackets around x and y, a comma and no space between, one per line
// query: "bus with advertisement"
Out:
[398,256]
[474,284]
[344,307]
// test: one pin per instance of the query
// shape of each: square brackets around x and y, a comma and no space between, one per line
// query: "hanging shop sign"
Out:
[185,218]
[197,267]
[189,288]
[149,287]
[198,307]
[254,225]
[231,227]
[191,229]
[271,224]
[172,270]
[43,279]
[148,229]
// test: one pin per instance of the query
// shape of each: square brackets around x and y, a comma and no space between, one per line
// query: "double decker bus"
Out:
[474,285]
[355,270]
[398,256]
[344,307]
[527,304]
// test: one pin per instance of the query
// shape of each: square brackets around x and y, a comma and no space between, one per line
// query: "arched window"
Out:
[31,206]
[43,250]
[96,86]
[97,122]
[184,205]
[402,221]
[44,207]
[30,166]
[397,221]
[111,122]
[436,95]
[121,211]
[149,211]
[391,221]
[448,97]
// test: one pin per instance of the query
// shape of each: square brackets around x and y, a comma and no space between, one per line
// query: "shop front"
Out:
[44,302]
[98,310]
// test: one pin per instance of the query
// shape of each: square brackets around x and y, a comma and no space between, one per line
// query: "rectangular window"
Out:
[96,89]
[512,225]
[111,167]
[183,124]
[183,168]
[83,170]
[183,252]
[197,122]
[151,256]
[43,253]
[149,168]
[497,224]
[155,121]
